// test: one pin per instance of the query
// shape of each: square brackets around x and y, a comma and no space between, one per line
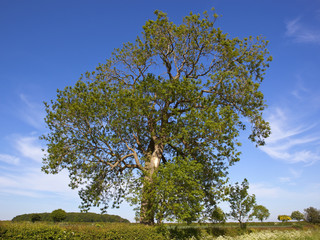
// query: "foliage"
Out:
[179,198]
[312,215]
[108,231]
[125,231]
[35,217]
[58,215]
[260,212]
[217,215]
[297,215]
[241,203]
[284,218]
[122,128]
[74,217]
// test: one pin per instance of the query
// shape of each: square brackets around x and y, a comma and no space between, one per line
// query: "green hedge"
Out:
[44,231]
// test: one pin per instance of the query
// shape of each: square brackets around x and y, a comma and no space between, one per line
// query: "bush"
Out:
[184,233]
[284,218]
[58,215]
[217,215]
[35,217]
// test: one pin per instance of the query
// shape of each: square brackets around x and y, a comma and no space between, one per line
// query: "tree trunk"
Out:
[147,203]
[147,210]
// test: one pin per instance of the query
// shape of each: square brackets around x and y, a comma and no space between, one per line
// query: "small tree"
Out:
[297,215]
[284,218]
[217,215]
[312,215]
[260,212]
[241,203]
[58,215]
[35,217]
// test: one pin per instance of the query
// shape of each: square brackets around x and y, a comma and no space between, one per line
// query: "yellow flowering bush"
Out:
[284,218]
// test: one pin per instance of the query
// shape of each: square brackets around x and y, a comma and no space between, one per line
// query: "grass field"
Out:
[128,231]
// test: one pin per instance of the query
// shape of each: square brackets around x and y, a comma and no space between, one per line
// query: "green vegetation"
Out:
[129,231]
[284,218]
[260,212]
[166,140]
[65,231]
[35,217]
[217,215]
[241,203]
[296,215]
[312,215]
[74,217]
[58,215]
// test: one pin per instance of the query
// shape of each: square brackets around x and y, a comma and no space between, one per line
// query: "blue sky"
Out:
[47,45]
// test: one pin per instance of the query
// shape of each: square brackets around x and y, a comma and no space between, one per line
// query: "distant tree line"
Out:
[311,215]
[57,216]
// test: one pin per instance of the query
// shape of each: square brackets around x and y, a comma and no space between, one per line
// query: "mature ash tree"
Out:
[158,123]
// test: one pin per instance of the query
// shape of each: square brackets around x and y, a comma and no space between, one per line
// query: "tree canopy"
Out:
[241,202]
[161,116]
[297,215]
[58,215]
[312,215]
[260,212]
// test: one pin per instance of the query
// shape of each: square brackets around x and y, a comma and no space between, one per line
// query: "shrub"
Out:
[184,233]
[217,215]
[35,217]
[58,215]
[284,218]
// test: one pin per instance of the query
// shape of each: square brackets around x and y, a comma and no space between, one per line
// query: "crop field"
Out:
[128,231]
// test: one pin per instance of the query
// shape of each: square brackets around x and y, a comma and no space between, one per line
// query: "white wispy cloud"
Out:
[285,179]
[293,176]
[33,113]
[302,33]
[9,159]
[29,147]
[34,183]
[292,142]
[262,190]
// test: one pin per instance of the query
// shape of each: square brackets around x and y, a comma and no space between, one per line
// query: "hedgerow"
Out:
[44,231]
[125,231]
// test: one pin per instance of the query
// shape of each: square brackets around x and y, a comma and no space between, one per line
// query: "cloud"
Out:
[28,147]
[34,183]
[302,33]
[264,191]
[285,179]
[9,159]
[292,141]
[294,174]
[32,113]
